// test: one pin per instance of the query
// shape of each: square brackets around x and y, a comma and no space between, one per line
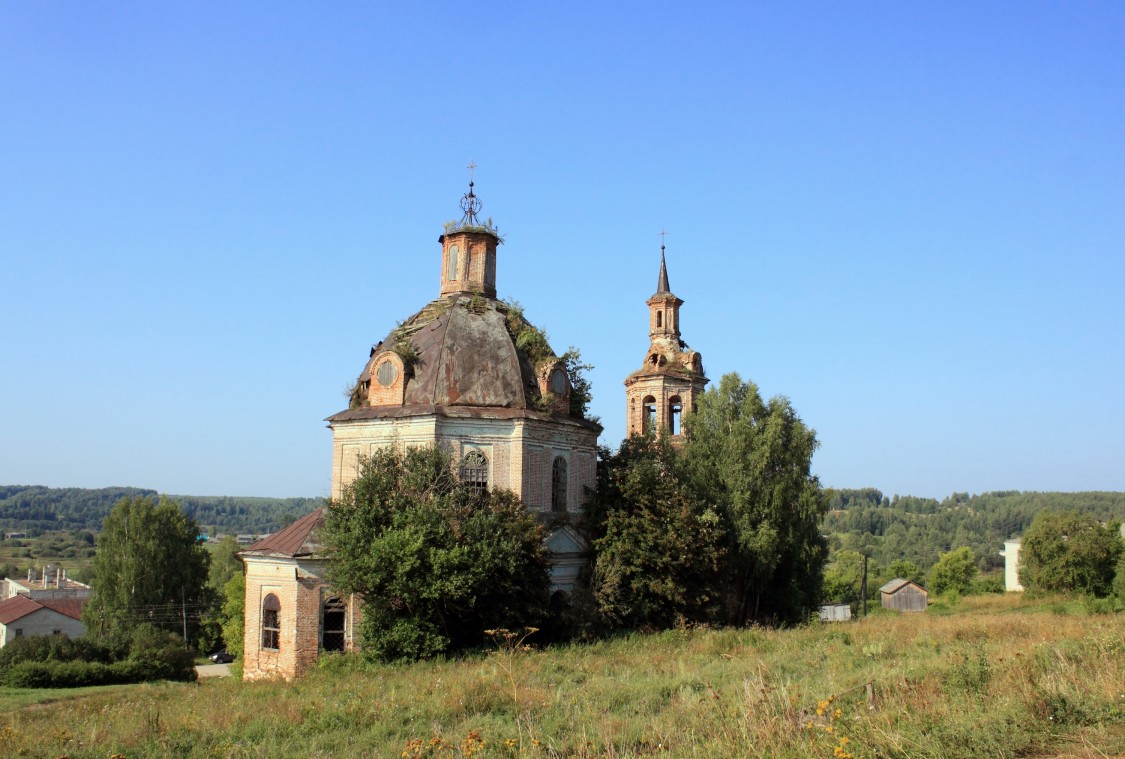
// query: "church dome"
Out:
[463,350]
[466,353]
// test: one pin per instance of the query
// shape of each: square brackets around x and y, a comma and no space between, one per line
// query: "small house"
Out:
[835,612]
[22,616]
[903,595]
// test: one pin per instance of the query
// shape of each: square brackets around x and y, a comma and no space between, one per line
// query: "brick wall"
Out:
[301,590]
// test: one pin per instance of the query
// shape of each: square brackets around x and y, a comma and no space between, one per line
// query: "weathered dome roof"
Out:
[462,350]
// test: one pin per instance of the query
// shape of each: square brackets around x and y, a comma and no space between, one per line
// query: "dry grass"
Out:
[1000,677]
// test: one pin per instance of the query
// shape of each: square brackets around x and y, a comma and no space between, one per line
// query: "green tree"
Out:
[1119,580]
[435,564]
[225,564]
[752,459]
[843,578]
[954,571]
[906,569]
[581,391]
[659,561]
[149,567]
[1069,551]
[233,618]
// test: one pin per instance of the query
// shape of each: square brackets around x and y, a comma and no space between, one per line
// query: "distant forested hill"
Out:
[918,529]
[885,528]
[34,508]
[228,514]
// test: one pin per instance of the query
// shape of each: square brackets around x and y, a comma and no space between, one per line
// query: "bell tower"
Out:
[468,250]
[671,378]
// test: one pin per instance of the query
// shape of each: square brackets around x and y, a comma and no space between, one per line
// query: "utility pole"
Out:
[863,586]
[183,606]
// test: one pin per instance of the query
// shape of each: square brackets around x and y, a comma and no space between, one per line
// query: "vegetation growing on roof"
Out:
[477,304]
[403,346]
[355,393]
[580,388]
[527,337]
[487,228]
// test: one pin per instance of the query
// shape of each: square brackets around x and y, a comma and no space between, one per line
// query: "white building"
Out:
[1011,554]
[23,616]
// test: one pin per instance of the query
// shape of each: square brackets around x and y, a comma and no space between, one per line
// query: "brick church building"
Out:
[455,374]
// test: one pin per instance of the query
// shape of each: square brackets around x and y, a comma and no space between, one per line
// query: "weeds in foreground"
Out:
[998,679]
[511,645]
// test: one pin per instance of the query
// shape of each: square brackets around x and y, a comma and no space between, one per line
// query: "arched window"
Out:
[558,382]
[675,410]
[452,274]
[558,484]
[333,623]
[271,622]
[474,471]
[648,414]
[659,316]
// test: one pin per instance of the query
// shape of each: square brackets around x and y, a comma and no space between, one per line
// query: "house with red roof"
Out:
[23,616]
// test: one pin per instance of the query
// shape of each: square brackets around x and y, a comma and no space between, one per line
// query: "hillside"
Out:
[886,528]
[35,509]
[918,529]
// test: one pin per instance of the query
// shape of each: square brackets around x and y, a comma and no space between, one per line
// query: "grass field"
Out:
[1000,676]
[67,549]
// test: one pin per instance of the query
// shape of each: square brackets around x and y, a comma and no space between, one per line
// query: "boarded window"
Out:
[452,274]
[558,382]
[333,625]
[474,471]
[271,622]
[558,484]
[387,373]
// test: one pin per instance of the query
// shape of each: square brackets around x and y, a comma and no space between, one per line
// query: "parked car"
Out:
[222,657]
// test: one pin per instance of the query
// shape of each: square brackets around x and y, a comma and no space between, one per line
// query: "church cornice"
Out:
[457,412]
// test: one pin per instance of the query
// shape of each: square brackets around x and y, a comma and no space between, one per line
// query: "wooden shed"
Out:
[903,595]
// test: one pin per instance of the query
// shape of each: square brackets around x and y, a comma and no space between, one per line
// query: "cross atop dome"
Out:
[468,249]
[470,203]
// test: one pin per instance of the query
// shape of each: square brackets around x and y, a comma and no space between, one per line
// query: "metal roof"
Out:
[897,584]
[68,607]
[302,538]
[17,607]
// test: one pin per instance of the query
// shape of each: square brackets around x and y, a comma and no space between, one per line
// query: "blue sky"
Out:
[907,218]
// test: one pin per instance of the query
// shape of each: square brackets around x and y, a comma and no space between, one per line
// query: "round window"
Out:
[387,373]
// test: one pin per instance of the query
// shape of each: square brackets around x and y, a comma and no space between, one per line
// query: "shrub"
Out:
[56,674]
[954,571]
[61,648]
[1070,552]
[57,661]
[158,655]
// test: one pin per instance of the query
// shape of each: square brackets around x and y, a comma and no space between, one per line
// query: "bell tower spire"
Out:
[468,249]
[663,306]
[662,280]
